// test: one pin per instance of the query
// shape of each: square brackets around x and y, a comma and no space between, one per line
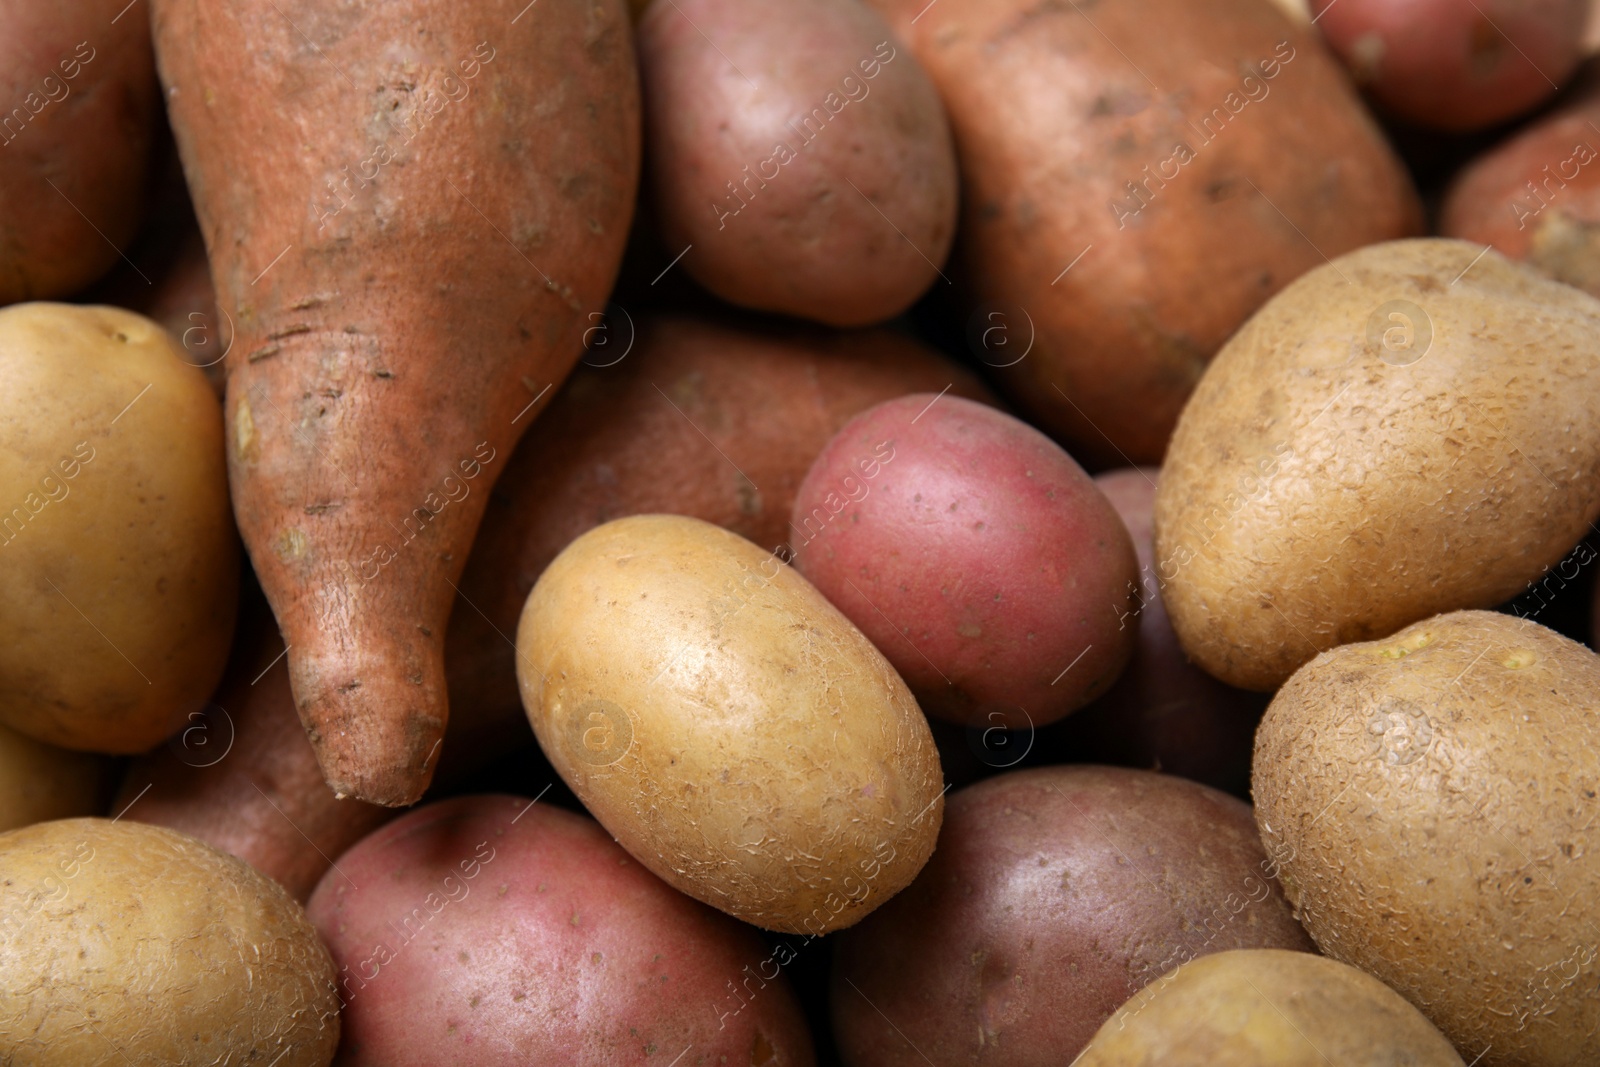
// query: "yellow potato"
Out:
[122,943]
[119,565]
[40,782]
[728,725]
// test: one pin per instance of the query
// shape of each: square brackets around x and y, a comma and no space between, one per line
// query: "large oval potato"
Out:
[1268,1008]
[39,782]
[798,156]
[122,943]
[121,576]
[1431,801]
[1055,894]
[727,724]
[1138,176]
[489,931]
[975,554]
[1407,430]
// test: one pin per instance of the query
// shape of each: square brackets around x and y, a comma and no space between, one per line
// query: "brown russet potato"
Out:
[411,210]
[125,943]
[121,565]
[1055,894]
[40,782]
[1407,430]
[799,156]
[1137,179]
[1430,800]
[727,724]
[1268,1008]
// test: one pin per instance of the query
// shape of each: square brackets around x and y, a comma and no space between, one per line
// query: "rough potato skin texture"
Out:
[1553,225]
[1322,488]
[1456,65]
[848,223]
[1454,766]
[1053,119]
[126,943]
[74,151]
[40,782]
[975,553]
[492,931]
[1268,1008]
[715,419]
[728,725]
[120,573]
[408,232]
[1055,894]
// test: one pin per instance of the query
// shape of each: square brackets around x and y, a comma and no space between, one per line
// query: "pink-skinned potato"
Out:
[1055,895]
[975,553]
[499,932]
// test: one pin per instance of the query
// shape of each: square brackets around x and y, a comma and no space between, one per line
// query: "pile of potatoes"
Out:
[864,532]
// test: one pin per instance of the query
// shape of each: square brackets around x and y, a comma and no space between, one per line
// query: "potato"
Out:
[1055,894]
[1407,430]
[39,782]
[122,565]
[975,553]
[126,943]
[728,725]
[1268,1008]
[489,931]
[799,156]
[1430,799]
[78,111]
[1454,65]
[1163,712]
[1137,179]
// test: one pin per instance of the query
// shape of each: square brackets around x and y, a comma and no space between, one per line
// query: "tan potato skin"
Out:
[78,113]
[126,943]
[728,725]
[39,782]
[1323,489]
[800,152]
[1268,1008]
[1430,799]
[120,570]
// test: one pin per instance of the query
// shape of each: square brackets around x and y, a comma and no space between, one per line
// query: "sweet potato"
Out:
[78,107]
[410,209]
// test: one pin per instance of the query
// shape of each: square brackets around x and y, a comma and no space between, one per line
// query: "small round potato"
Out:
[124,943]
[119,565]
[728,725]
[39,782]
[1268,1008]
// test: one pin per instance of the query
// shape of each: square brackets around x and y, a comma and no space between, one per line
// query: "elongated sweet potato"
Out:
[410,210]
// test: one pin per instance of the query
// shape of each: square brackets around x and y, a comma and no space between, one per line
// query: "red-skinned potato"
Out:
[975,553]
[408,234]
[78,104]
[799,156]
[1055,894]
[499,932]
[1138,177]
[1456,64]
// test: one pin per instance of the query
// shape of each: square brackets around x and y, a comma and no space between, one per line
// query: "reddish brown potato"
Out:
[1456,64]
[1054,895]
[799,155]
[495,932]
[975,553]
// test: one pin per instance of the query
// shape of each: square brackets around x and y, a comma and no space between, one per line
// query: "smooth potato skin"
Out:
[121,564]
[492,931]
[662,657]
[1323,489]
[74,151]
[177,953]
[1430,799]
[974,552]
[1268,1008]
[1452,64]
[1053,117]
[39,782]
[728,81]
[1055,894]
